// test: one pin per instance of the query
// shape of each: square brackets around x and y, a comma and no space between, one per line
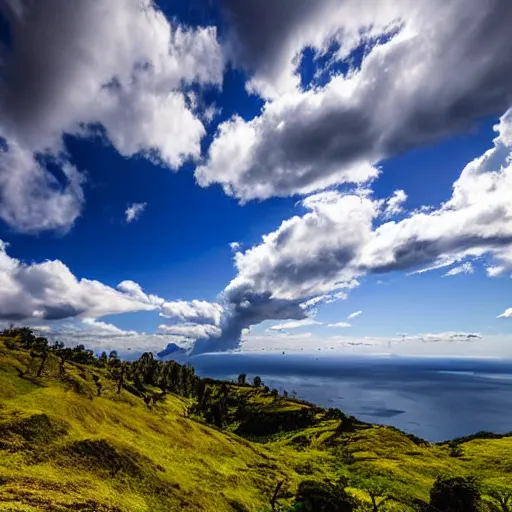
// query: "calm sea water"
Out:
[436,399]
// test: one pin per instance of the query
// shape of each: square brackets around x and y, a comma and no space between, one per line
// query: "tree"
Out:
[40,351]
[64,354]
[242,378]
[455,449]
[257,381]
[316,496]
[381,486]
[103,359]
[459,494]
[44,358]
[58,345]
[120,378]
[98,383]
[273,499]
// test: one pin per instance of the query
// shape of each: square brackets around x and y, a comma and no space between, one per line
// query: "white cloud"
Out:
[193,331]
[338,240]
[506,314]
[49,290]
[340,324]
[394,204]
[134,211]
[495,270]
[114,68]
[32,198]
[129,344]
[106,328]
[465,268]
[328,298]
[429,344]
[404,95]
[474,222]
[234,246]
[195,311]
[295,324]
[353,315]
[310,255]
[134,290]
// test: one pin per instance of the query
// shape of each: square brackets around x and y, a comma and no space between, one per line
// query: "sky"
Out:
[216,175]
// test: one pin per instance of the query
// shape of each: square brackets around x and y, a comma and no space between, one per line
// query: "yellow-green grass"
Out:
[64,448]
[172,462]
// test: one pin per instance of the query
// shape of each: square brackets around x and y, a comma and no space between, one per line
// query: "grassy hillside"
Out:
[63,447]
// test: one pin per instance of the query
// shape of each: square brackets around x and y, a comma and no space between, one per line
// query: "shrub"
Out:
[457,494]
[316,496]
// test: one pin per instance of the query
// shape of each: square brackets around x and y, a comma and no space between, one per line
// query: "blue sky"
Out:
[226,123]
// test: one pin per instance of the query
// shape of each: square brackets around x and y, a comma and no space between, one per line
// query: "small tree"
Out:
[459,494]
[98,383]
[455,449]
[120,378]
[44,358]
[242,378]
[64,354]
[381,486]
[40,351]
[316,496]
[273,499]
[103,359]
[257,381]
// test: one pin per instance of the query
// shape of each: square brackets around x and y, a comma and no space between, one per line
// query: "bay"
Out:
[434,398]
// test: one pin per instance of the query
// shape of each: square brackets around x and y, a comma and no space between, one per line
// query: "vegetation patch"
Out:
[33,429]
[102,455]
[94,433]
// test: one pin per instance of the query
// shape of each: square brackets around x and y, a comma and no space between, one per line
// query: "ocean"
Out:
[434,398]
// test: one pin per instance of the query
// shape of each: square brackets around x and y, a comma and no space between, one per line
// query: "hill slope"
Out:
[64,448]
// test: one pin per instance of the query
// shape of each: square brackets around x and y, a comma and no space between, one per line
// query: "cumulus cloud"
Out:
[117,69]
[475,221]
[242,309]
[134,290]
[465,268]
[50,291]
[394,205]
[195,311]
[506,314]
[192,331]
[295,325]
[106,328]
[340,324]
[309,255]
[32,199]
[128,344]
[341,237]
[404,95]
[134,211]
[354,315]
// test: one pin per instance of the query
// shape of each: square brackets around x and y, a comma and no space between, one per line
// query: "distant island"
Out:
[88,432]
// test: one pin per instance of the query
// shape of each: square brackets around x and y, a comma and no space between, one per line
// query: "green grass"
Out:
[63,448]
